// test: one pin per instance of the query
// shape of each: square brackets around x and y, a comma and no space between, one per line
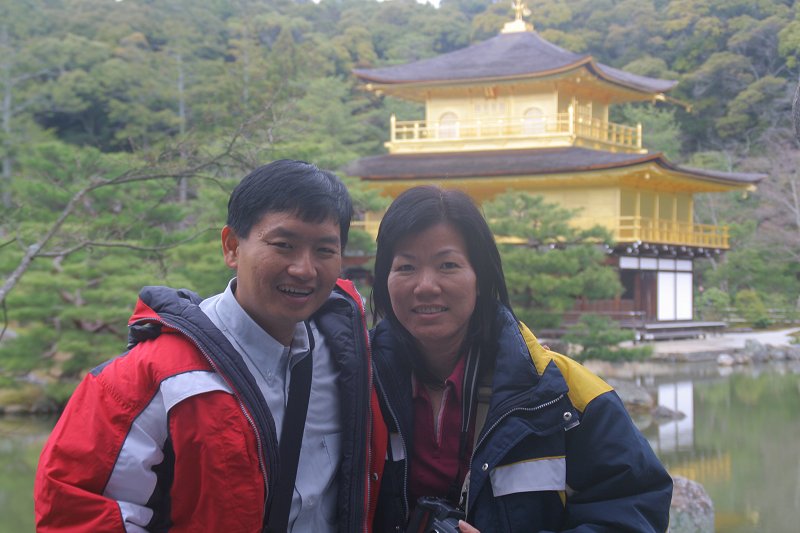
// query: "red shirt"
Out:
[434,452]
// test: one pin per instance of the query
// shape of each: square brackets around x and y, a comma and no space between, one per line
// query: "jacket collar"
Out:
[515,382]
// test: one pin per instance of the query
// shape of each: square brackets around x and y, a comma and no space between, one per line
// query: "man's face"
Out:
[285,269]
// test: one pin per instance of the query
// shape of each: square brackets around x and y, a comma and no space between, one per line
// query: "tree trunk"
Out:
[182,184]
[5,177]
[245,66]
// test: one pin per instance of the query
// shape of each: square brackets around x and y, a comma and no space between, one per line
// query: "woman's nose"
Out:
[427,283]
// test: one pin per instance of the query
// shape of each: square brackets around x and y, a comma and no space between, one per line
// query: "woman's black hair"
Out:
[423,207]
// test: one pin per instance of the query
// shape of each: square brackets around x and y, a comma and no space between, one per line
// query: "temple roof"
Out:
[499,163]
[507,56]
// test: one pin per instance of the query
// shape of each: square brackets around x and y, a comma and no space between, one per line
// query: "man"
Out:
[182,432]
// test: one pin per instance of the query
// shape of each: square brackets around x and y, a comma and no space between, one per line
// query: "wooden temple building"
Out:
[517,112]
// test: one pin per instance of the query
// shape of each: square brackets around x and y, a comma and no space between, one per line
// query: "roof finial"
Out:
[518,25]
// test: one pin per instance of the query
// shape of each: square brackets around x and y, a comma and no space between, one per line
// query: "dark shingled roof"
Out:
[519,163]
[508,55]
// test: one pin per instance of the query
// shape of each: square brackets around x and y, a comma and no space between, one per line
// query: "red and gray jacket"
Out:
[174,435]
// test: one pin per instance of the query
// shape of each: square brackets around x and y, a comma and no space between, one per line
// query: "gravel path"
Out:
[723,342]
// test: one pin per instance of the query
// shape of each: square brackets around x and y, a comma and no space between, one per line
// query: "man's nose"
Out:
[302,265]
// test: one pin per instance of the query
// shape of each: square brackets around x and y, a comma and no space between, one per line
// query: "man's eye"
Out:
[279,244]
[328,251]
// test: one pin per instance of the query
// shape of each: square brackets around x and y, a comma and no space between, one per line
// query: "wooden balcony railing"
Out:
[563,127]
[625,230]
[632,229]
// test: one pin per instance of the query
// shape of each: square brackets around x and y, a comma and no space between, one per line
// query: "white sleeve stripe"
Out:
[529,476]
[133,481]
[178,388]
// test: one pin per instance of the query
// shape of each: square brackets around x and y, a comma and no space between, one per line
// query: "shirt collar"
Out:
[454,380]
[248,333]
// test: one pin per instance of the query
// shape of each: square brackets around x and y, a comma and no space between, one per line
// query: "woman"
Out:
[547,447]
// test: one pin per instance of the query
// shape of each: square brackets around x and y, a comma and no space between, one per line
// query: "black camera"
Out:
[434,515]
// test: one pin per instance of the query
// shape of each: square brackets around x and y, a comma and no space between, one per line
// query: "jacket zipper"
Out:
[367,473]
[402,441]
[235,393]
[493,426]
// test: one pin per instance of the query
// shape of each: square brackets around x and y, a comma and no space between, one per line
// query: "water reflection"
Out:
[676,435]
[738,438]
[21,441]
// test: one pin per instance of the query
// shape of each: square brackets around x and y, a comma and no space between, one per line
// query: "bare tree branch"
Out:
[169,170]
[126,245]
[5,319]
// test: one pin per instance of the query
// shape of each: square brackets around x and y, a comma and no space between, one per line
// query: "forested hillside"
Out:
[126,123]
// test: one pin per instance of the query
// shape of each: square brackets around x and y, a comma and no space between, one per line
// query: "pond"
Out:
[21,441]
[739,438]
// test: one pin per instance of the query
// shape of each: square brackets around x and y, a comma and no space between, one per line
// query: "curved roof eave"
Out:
[714,175]
[524,162]
[598,69]
[505,57]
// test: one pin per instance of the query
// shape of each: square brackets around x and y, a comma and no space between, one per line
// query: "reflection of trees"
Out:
[744,448]
[750,392]
[753,419]
[705,469]
[22,440]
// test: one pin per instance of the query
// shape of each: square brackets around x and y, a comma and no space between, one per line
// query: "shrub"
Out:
[762,323]
[599,338]
[713,304]
[538,320]
[751,307]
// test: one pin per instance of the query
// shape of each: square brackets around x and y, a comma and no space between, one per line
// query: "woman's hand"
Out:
[463,527]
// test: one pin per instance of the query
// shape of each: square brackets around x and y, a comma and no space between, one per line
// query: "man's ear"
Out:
[230,247]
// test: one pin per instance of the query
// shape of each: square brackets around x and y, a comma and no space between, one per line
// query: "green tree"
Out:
[660,131]
[599,337]
[23,70]
[713,304]
[330,125]
[558,264]
[751,307]
[752,110]
[95,228]
[789,43]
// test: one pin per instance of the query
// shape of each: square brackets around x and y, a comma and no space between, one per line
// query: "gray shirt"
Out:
[316,486]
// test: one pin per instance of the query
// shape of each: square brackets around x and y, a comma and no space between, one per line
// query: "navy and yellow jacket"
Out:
[557,452]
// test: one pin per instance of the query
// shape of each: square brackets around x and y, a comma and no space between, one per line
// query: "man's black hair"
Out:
[292,186]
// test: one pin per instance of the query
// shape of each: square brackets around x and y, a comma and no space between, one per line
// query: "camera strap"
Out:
[481,411]
[294,421]
[476,394]
[478,391]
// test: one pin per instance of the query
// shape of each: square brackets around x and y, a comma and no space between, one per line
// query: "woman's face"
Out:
[433,288]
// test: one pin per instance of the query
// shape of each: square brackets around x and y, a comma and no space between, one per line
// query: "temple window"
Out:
[448,126]
[533,121]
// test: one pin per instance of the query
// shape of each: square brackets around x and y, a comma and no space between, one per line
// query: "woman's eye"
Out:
[403,268]
[449,265]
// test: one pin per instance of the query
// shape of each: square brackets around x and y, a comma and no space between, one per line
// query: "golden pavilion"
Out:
[516,112]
